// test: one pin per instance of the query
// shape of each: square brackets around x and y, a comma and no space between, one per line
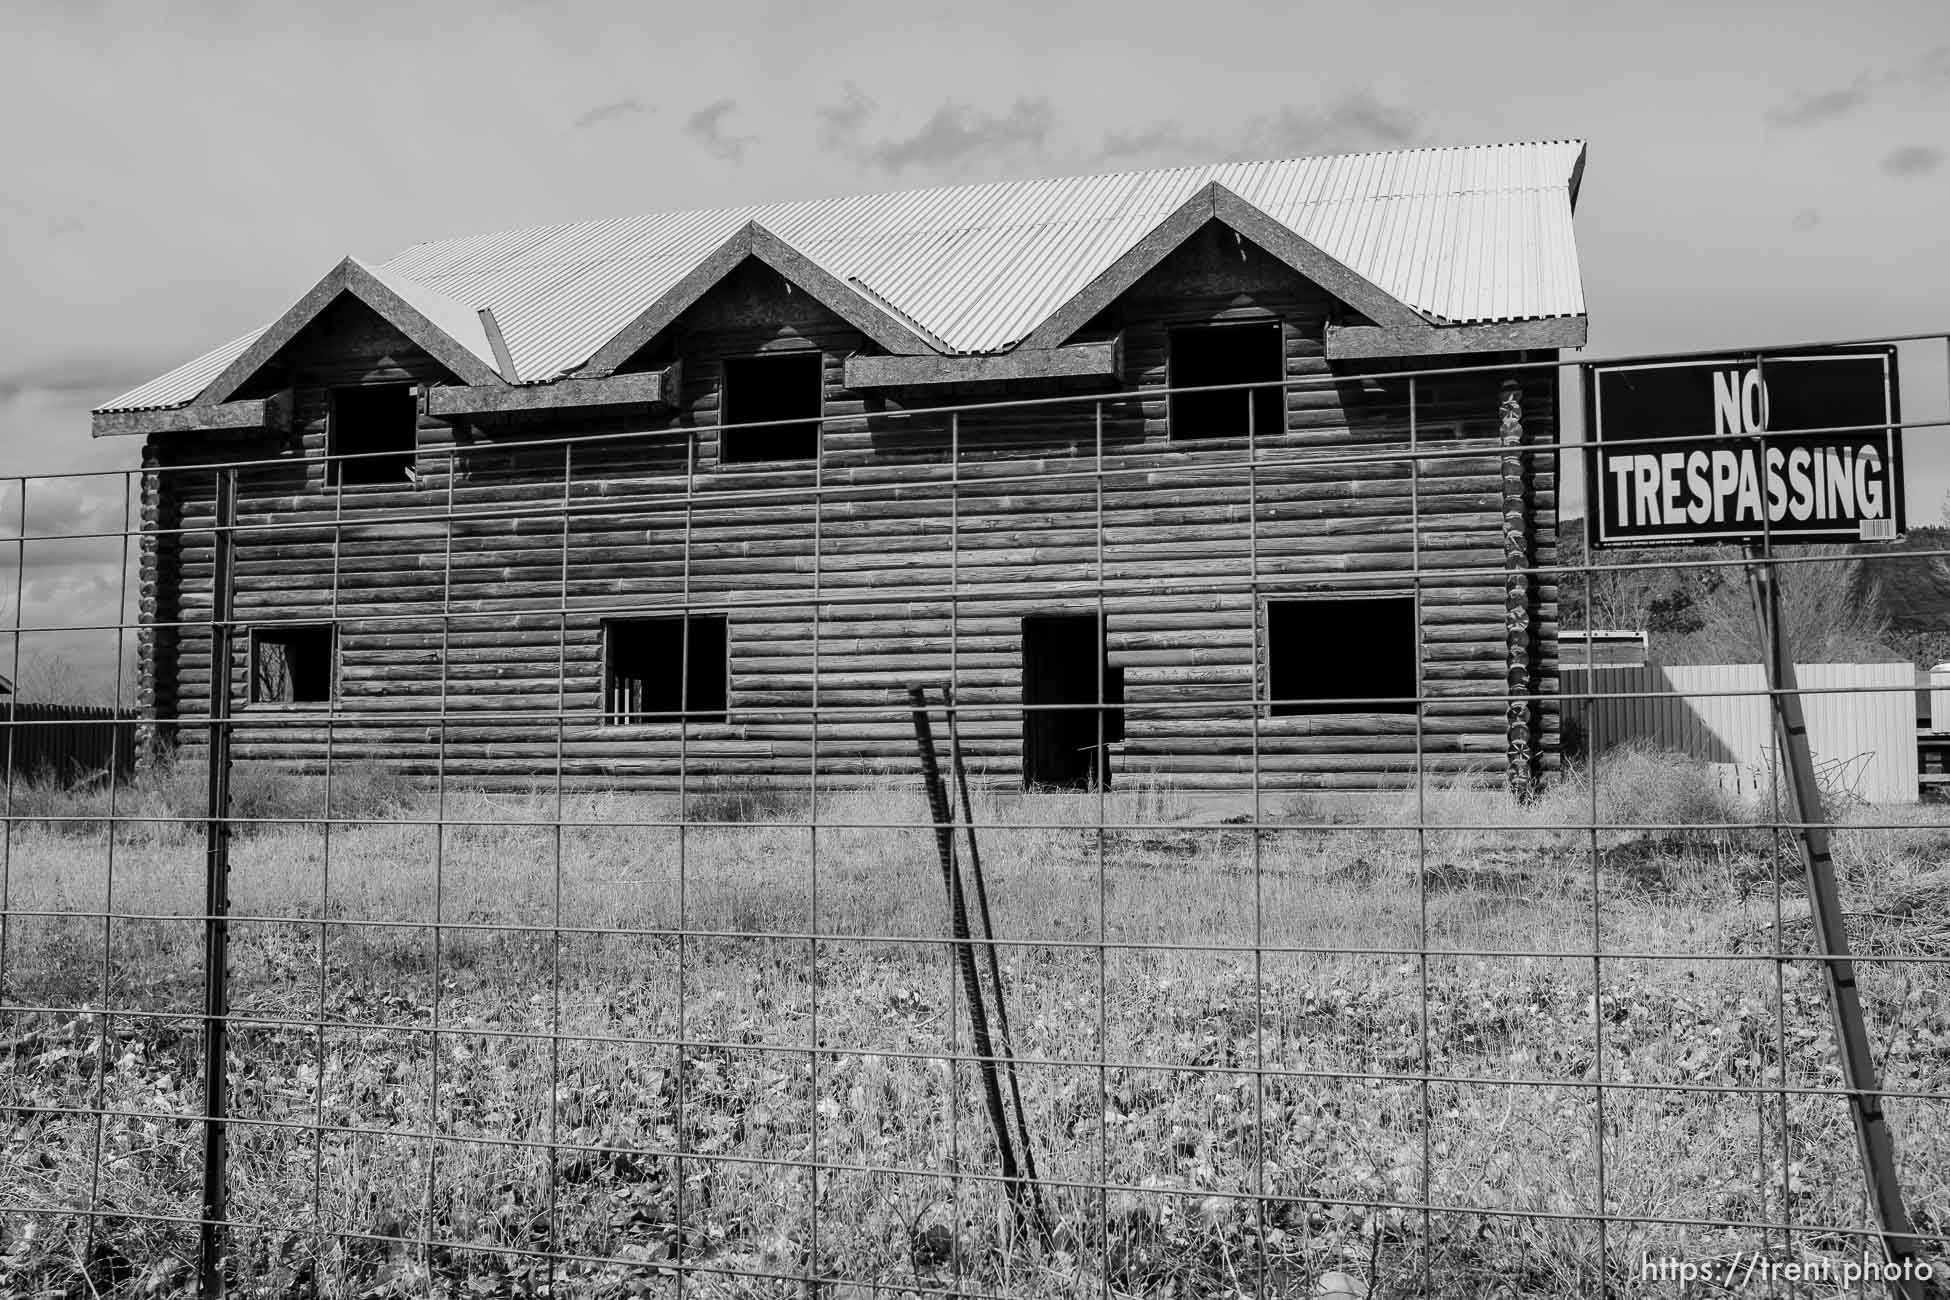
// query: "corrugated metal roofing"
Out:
[459,322]
[1471,234]
[184,382]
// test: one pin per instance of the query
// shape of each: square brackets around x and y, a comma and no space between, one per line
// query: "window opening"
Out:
[292,665]
[1226,354]
[1321,654]
[378,427]
[650,675]
[1065,662]
[781,387]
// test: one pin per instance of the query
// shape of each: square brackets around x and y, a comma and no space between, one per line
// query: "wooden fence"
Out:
[60,742]
[1861,720]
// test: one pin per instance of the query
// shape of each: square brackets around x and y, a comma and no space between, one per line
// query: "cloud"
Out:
[707,125]
[1811,109]
[840,124]
[1154,143]
[956,133]
[1912,160]
[84,376]
[607,112]
[62,508]
[69,577]
[1932,71]
[1926,74]
[1355,121]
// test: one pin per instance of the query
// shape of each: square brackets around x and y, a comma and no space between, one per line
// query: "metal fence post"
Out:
[216,904]
[1873,1143]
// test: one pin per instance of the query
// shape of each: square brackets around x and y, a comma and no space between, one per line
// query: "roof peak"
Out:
[1455,234]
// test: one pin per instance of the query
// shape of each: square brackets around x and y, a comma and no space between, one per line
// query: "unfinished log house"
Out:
[705,491]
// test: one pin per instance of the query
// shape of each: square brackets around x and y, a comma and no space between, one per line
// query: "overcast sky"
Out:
[1759,173]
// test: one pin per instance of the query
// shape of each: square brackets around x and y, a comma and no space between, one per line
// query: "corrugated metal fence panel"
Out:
[1864,735]
[1940,699]
[64,742]
[1860,720]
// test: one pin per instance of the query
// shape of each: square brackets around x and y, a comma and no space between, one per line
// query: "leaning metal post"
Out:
[1872,1140]
[1005,1043]
[1022,1195]
[216,902]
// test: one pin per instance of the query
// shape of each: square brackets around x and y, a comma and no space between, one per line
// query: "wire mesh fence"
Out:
[543,877]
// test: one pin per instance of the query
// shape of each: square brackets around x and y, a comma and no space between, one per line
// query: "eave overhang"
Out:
[1103,359]
[250,415]
[1355,342]
[636,390]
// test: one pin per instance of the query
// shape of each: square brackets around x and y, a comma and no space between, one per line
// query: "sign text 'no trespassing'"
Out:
[1796,446]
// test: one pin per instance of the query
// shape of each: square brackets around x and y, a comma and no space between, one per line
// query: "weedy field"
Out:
[1359,1041]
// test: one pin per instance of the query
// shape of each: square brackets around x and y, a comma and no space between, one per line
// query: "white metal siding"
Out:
[1861,720]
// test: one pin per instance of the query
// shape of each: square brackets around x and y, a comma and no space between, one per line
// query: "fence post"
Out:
[1873,1143]
[216,903]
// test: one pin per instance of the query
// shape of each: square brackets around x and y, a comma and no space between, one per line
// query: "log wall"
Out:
[909,553]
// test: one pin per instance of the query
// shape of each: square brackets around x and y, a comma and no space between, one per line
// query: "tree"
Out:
[1830,611]
[52,678]
[1626,590]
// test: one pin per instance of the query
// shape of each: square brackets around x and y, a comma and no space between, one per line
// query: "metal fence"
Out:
[360,1023]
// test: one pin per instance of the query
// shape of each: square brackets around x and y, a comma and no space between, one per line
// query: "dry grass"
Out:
[1233,1031]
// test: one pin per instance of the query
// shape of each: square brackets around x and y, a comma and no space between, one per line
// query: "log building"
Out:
[705,491]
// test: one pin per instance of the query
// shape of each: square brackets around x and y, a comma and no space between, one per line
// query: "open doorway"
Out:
[1066,662]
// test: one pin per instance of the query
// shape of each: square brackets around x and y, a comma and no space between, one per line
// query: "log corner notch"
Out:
[1102,359]
[254,415]
[637,389]
[1524,713]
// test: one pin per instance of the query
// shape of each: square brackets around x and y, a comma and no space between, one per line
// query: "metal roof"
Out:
[1472,234]
[460,323]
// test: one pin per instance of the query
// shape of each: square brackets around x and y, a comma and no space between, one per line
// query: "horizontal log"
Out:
[1058,484]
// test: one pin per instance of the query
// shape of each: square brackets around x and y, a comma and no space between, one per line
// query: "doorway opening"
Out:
[1073,702]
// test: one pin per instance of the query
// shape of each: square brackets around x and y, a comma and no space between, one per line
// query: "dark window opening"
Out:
[656,669]
[1072,701]
[291,665]
[1227,354]
[756,389]
[1341,656]
[376,428]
